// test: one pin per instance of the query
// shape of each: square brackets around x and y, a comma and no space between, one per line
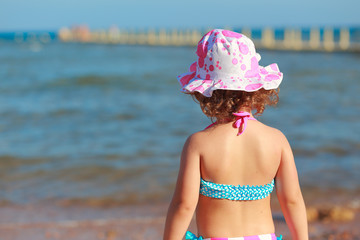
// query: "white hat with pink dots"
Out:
[228,60]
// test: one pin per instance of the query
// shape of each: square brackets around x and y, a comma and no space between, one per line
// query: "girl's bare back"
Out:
[250,159]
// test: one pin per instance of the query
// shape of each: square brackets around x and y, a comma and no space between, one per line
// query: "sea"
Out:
[106,123]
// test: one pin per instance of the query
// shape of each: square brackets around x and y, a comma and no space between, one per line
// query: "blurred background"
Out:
[91,113]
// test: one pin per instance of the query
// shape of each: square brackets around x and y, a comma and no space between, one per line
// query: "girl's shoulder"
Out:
[197,139]
[271,135]
[276,135]
[271,130]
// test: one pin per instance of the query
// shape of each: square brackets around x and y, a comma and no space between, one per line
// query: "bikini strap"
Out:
[210,125]
[241,121]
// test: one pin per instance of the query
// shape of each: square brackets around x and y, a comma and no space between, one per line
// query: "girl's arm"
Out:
[186,195]
[289,194]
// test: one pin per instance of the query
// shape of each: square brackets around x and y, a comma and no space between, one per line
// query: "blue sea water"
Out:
[107,122]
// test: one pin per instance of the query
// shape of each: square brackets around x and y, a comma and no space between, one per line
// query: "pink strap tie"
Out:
[241,121]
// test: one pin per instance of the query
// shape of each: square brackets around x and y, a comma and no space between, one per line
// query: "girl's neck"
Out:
[246,109]
[242,109]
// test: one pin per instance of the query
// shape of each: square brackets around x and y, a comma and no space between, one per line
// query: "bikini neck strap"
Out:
[240,121]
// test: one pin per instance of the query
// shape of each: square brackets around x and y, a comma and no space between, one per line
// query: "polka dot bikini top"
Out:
[236,192]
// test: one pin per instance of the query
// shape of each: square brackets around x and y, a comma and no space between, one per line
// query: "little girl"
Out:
[229,169]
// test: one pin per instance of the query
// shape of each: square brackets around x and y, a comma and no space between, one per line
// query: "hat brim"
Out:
[268,77]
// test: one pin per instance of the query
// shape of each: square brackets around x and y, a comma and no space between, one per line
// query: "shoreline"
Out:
[52,220]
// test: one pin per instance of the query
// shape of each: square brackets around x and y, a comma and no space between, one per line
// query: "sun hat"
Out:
[228,60]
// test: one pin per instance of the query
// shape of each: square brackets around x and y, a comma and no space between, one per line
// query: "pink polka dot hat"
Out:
[228,60]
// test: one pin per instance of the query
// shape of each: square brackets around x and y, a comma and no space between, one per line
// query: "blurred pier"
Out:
[311,39]
[328,39]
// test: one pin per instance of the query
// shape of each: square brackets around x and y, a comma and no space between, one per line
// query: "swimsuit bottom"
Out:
[271,236]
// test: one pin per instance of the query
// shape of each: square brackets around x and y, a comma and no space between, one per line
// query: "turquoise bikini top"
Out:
[236,192]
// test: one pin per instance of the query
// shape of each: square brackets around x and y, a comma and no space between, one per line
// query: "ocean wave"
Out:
[90,80]
[337,150]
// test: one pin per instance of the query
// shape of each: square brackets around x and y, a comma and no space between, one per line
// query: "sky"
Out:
[23,15]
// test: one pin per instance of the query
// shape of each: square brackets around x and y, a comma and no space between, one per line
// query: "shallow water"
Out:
[107,122]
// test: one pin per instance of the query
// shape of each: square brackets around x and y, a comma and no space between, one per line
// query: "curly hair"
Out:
[223,103]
